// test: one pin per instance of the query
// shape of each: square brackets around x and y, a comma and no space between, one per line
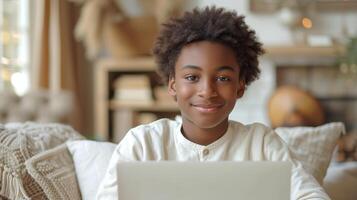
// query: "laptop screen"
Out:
[204,180]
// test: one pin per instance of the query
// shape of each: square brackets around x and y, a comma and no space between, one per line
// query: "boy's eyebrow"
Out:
[222,68]
[192,67]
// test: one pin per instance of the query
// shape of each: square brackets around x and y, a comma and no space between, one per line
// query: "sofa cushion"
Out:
[341,181]
[313,146]
[20,142]
[53,171]
[91,160]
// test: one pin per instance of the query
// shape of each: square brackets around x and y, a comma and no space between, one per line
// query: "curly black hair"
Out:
[208,24]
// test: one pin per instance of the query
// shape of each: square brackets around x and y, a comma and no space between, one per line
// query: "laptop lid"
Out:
[227,180]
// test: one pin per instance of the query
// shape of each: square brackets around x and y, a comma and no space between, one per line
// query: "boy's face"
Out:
[206,83]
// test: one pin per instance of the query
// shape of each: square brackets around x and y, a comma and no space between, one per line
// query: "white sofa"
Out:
[53,161]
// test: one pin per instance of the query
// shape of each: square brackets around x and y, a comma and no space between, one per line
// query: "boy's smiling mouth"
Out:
[207,108]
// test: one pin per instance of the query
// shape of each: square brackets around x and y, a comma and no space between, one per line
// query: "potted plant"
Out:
[348,61]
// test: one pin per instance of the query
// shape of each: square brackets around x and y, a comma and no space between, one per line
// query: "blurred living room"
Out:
[88,65]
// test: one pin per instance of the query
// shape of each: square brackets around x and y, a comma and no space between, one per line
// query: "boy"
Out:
[207,57]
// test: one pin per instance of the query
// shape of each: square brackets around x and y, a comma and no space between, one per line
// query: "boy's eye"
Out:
[191,78]
[223,78]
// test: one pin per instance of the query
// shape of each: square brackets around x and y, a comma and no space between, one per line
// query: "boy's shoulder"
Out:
[252,129]
[251,126]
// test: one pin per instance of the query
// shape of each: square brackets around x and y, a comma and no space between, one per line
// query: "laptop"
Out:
[171,180]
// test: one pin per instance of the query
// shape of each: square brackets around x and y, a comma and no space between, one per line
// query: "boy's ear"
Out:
[172,86]
[241,89]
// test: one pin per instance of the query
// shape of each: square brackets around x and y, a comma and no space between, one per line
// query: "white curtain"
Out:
[58,61]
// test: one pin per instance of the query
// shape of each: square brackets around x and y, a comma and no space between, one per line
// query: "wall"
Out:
[270,31]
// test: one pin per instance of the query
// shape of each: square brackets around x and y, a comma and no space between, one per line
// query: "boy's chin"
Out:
[208,124]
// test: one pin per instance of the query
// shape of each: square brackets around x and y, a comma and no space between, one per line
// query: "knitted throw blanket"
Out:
[20,142]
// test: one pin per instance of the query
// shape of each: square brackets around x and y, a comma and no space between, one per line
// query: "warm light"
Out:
[306,23]
[5,37]
[5,74]
[16,36]
[5,61]
[20,82]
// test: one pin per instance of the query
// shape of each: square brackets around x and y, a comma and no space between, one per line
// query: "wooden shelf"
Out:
[337,98]
[146,107]
[303,55]
[137,64]
[308,51]
[113,118]
[270,7]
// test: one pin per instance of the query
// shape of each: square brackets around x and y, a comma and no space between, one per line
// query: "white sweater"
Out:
[163,140]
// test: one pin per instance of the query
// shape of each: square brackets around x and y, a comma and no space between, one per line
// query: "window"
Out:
[14,48]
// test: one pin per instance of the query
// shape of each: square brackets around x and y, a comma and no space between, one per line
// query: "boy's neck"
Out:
[203,136]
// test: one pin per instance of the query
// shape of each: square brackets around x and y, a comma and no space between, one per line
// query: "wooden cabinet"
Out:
[112,117]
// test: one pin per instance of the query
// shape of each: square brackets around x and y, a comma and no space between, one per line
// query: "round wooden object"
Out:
[292,106]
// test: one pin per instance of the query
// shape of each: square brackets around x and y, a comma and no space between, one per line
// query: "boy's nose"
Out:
[207,89]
